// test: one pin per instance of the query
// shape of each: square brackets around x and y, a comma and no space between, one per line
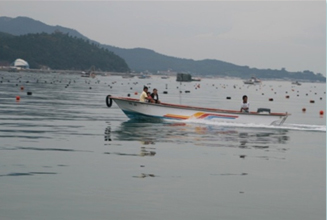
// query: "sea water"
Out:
[65,155]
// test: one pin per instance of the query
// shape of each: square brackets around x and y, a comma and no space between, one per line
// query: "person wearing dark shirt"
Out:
[150,99]
[155,96]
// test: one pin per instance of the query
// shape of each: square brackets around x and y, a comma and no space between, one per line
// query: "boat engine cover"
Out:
[263,110]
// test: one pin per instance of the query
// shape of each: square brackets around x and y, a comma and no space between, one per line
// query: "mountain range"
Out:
[142,60]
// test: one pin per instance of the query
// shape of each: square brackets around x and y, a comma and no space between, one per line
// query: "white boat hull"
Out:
[135,109]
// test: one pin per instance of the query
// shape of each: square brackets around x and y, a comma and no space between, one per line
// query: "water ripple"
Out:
[27,174]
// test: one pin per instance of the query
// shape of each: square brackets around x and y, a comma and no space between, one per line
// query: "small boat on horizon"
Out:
[134,109]
[88,74]
[144,77]
[253,80]
[196,79]
[296,83]
[127,76]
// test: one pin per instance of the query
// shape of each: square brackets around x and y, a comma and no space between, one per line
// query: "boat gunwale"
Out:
[199,108]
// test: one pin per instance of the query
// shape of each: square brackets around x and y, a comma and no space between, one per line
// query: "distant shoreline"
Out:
[107,73]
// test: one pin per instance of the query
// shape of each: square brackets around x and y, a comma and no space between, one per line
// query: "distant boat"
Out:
[88,74]
[296,83]
[127,76]
[196,79]
[249,81]
[252,80]
[84,74]
[144,77]
[165,77]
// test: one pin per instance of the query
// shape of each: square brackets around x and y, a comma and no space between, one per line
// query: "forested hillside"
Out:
[59,51]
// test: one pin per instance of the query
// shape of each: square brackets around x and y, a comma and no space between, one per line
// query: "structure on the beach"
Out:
[185,77]
[20,64]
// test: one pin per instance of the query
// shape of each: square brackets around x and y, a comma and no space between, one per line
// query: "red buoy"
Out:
[17,98]
[321,112]
[22,88]
[304,109]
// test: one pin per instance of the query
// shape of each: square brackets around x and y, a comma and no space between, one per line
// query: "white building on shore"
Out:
[20,64]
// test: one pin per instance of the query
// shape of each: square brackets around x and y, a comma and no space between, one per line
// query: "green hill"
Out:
[58,51]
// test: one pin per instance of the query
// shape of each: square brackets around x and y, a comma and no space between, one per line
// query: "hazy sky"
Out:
[262,34]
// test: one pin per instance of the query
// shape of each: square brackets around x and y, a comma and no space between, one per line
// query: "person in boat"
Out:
[144,95]
[245,104]
[155,96]
[150,99]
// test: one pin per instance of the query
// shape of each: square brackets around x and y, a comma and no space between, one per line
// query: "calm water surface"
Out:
[65,155]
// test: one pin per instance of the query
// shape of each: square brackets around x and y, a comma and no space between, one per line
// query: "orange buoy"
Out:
[321,112]
[304,109]
[17,98]
[135,93]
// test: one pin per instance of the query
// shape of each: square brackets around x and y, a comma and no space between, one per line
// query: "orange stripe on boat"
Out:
[176,116]
[217,115]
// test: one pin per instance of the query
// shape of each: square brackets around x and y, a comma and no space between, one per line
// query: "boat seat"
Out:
[263,110]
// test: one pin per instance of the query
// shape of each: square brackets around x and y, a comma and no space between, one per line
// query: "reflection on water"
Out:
[27,174]
[43,149]
[143,175]
[107,134]
[144,152]
[201,135]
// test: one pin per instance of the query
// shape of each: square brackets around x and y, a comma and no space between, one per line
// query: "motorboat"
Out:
[144,77]
[88,74]
[296,83]
[249,81]
[135,109]
[253,80]
[127,76]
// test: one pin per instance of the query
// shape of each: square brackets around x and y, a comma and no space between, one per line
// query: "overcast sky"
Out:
[265,34]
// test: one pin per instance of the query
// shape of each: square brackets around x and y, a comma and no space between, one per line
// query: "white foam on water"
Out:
[296,127]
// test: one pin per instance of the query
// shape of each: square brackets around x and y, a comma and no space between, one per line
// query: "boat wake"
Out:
[304,127]
[285,126]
